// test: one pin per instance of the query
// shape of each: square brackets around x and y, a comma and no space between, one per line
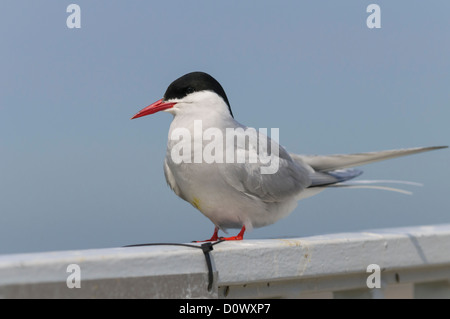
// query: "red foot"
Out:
[215,236]
[239,236]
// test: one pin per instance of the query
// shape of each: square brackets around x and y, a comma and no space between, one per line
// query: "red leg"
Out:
[214,237]
[239,236]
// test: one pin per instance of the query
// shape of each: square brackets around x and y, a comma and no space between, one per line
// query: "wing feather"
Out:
[289,180]
[339,161]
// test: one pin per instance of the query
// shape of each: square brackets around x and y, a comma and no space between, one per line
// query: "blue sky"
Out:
[76,173]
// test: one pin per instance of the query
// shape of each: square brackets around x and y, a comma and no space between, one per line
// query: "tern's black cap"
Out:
[195,82]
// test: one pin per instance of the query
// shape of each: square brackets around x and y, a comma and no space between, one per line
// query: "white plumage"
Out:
[236,194]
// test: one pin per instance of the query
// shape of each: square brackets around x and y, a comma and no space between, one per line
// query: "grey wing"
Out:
[331,169]
[339,161]
[326,178]
[288,180]
[323,179]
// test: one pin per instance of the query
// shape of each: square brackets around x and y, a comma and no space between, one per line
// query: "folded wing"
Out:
[326,163]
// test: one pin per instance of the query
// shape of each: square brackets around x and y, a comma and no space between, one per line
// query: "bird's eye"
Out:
[190,90]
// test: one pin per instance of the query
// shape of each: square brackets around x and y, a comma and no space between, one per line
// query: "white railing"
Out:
[403,262]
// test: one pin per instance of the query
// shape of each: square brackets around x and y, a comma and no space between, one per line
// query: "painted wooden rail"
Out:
[411,262]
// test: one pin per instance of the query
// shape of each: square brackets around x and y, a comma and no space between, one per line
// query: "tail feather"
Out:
[333,170]
[385,188]
[383,181]
[365,184]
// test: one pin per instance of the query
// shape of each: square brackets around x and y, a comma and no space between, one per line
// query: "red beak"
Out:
[153,108]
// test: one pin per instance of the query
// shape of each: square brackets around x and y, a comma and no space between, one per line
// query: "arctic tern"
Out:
[236,194]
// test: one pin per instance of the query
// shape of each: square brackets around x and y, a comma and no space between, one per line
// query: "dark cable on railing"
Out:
[205,247]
